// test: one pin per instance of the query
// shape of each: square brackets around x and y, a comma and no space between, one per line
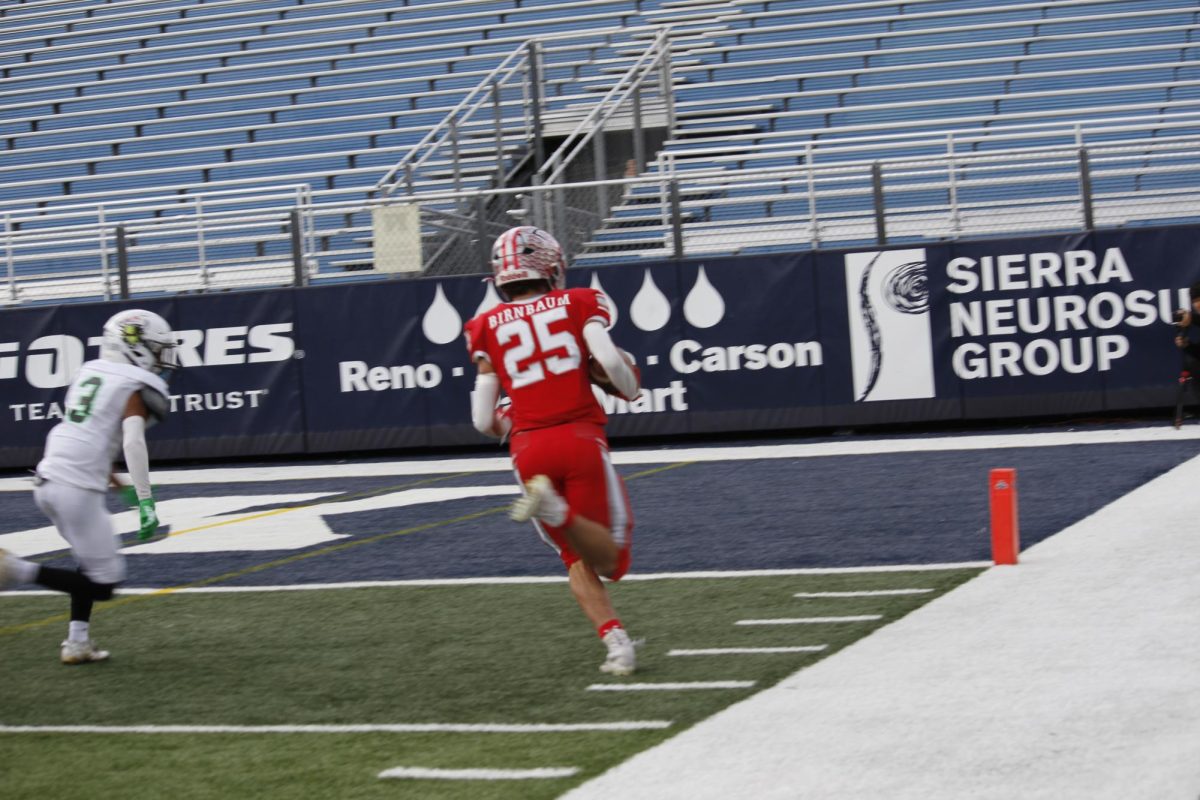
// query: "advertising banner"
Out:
[984,329]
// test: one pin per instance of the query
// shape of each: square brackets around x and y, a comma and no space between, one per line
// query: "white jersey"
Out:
[80,449]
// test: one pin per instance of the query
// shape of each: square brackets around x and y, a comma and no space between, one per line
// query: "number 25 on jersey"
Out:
[521,337]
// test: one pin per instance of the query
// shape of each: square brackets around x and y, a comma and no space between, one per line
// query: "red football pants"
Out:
[575,458]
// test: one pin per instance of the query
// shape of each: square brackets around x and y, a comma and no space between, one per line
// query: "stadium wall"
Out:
[1001,328]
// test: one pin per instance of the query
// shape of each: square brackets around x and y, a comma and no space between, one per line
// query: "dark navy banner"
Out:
[984,329]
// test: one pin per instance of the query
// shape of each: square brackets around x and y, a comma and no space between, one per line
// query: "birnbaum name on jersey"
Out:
[523,310]
[1078,333]
[50,362]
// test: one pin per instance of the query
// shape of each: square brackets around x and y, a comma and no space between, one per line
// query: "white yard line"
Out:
[737,651]
[850,447]
[1074,674]
[528,579]
[429,773]
[871,593]
[668,687]
[430,727]
[810,620]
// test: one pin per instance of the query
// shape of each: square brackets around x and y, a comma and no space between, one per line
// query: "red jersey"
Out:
[536,347]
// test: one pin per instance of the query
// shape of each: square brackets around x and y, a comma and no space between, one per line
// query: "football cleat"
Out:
[82,652]
[622,656]
[540,501]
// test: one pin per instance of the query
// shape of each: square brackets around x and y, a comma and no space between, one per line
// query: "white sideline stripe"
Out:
[528,579]
[177,477]
[1082,683]
[668,687]
[428,773]
[431,727]
[872,593]
[809,620]
[735,651]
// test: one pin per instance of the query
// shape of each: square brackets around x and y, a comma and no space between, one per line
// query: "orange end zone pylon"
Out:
[1006,536]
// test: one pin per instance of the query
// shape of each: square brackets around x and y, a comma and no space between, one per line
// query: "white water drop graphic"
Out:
[612,307]
[650,309]
[441,323]
[703,306]
[490,300]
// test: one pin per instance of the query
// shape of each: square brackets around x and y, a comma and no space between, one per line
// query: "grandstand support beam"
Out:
[498,121]
[482,245]
[535,103]
[122,262]
[814,232]
[1085,190]
[600,159]
[880,211]
[539,204]
[639,132]
[201,248]
[457,164]
[299,277]
[560,221]
[102,228]
[676,218]
[667,85]
[9,232]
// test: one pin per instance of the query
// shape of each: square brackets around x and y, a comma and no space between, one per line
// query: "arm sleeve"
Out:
[137,459]
[483,407]
[603,350]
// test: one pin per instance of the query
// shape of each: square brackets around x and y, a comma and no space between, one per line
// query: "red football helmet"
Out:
[528,254]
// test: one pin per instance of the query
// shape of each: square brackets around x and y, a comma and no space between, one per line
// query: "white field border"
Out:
[850,447]
[530,579]
[671,686]
[477,774]
[1073,674]
[430,727]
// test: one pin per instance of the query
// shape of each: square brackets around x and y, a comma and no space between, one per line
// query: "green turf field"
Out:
[502,653]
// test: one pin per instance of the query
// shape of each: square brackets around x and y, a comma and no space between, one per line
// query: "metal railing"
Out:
[160,244]
[642,98]
[515,83]
[235,239]
[505,121]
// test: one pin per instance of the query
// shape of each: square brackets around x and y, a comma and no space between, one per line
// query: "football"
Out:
[599,377]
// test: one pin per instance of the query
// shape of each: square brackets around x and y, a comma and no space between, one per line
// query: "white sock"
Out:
[553,510]
[77,631]
[25,571]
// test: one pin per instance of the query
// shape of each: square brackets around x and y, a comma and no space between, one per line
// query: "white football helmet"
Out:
[141,338]
[528,254]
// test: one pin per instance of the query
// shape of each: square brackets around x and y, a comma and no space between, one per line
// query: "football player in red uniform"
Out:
[539,347]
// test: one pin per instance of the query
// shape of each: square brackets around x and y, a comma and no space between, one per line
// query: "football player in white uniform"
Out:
[109,404]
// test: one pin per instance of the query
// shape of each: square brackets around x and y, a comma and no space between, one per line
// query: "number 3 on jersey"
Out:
[526,335]
[81,408]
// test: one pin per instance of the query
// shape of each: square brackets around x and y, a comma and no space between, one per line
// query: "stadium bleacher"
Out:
[127,112]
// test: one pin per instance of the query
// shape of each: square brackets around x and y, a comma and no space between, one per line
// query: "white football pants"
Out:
[83,520]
